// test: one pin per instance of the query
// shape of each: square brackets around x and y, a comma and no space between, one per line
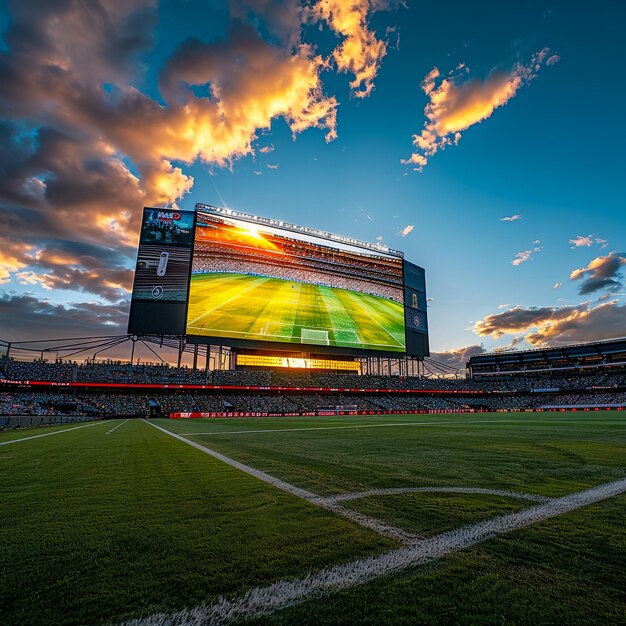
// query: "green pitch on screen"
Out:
[258,308]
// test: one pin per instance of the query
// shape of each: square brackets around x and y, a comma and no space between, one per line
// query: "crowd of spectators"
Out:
[163,231]
[144,404]
[513,383]
[44,403]
[588,388]
[162,373]
[346,273]
[122,372]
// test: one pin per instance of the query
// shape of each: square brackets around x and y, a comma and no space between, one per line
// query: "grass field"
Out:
[121,520]
[272,309]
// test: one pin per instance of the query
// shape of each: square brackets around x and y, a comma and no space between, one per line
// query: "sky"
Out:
[484,139]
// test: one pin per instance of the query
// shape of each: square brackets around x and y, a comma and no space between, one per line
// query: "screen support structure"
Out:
[91,349]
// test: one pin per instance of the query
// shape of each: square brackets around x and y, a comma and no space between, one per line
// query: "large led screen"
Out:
[255,282]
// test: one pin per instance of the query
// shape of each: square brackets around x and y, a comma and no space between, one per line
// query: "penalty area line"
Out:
[363,520]
[392,491]
[260,601]
[56,432]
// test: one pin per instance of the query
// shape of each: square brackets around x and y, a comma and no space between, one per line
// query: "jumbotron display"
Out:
[261,283]
[252,281]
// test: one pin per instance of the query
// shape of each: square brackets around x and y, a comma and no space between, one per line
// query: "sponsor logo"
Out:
[168,216]
[157,292]
[416,320]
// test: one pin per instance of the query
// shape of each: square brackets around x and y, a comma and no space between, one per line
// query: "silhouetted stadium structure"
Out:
[580,358]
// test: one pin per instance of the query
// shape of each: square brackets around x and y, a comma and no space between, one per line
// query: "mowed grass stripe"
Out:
[277,318]
[388,315]
[208,294]
[287,593]
[565,570]
[276,309]
[16,438]
[118,526]
[244,314]
[20,433]
[345,329]
[367,522]
[549,457]
[313,318]
[264,427]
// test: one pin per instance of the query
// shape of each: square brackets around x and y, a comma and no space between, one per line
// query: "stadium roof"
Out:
[615,346]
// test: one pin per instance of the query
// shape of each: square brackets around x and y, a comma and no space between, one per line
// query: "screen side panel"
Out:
[415,310]
[160,289]
[157,318]
[254,284]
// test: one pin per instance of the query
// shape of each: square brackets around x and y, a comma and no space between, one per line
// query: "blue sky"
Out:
[549,152]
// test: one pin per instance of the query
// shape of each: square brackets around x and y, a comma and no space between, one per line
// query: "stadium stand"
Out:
[586,377]
[605,355]
[142,404]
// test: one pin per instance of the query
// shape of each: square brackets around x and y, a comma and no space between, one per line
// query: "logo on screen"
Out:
[416,320]
[157,292]
[168,216]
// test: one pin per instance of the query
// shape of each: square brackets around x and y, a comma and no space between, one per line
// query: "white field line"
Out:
[56,432]
[363,520]
[265,600]
[384,424]
[219,306]
[364,309]
[108,432]
[344,497]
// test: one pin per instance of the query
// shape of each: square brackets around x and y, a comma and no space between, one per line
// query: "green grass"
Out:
[546,454]
[97,528]
[568,570]
[427,514]
[32,431]
[272,309]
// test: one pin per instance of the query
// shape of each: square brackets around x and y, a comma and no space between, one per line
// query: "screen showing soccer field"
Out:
[255,282]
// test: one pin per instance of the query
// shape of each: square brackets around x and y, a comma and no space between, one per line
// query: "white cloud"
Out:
[407,229]
[511,218]
[582,241]
[360,53]
[522,257]
[603,272]
[457,102]
[557,325]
